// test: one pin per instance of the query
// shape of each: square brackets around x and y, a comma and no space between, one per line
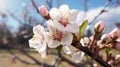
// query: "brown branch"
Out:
[37,62]
[89,53]
[35,6]
[29,56]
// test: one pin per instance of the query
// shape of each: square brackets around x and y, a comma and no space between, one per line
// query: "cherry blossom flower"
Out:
[38,40]
[65,19]
[55,37]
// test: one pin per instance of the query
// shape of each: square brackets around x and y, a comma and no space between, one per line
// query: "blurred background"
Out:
[17,18]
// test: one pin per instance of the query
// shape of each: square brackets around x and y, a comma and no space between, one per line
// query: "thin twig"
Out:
[37,62]
[23,61]
[35,6]
[102,11]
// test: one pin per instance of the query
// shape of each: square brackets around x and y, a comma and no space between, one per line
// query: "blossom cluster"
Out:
[61,27]
[63,31]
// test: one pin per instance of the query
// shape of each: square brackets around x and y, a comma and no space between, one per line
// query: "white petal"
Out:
[43,54]
[64,7]
[50,22]
[55,14]
[42,47]
[53,44]
[74,15]
[67,49]
[67,39]
[51,27]
[77,57]
[34,43]
[82,41]
[73,28]
[48,37]
[59,26]
[38,29]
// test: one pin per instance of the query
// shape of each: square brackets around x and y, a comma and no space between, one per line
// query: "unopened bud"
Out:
[99,27]
[115,33]
[117,45]
[111,62]
[95,65]
[117,57]
[43,10]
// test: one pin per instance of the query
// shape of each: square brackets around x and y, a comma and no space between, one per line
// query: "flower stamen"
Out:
[64,21]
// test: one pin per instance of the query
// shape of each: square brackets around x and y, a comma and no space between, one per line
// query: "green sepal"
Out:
[82,28]
[107,50]
[59,47]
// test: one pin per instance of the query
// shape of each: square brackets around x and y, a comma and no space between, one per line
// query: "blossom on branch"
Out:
[61,26]
[38,41]
[55,37]
[65,19]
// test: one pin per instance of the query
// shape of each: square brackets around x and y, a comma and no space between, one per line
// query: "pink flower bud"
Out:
[117,45]
[115,33]
[117,57]
[111,62]
[99,27]
[44,11]
[95,65]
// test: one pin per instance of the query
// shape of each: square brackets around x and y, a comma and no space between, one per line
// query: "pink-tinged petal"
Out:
[38,29]
[77,57]
[67,49]
[55,14]
[117,46]
[115,33]
[74,15]
[104,36]
[73,28]
[53,44]
[43,11]
[67,39]
[111,62]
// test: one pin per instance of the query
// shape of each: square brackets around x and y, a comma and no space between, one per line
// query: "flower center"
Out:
[57,35]
[64,21]
[42,37]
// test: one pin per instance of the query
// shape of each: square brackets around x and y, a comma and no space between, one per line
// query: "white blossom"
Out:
[38,40]
[55,37]
[65,19]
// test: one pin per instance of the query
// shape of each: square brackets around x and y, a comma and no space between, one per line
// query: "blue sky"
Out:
[18,6]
